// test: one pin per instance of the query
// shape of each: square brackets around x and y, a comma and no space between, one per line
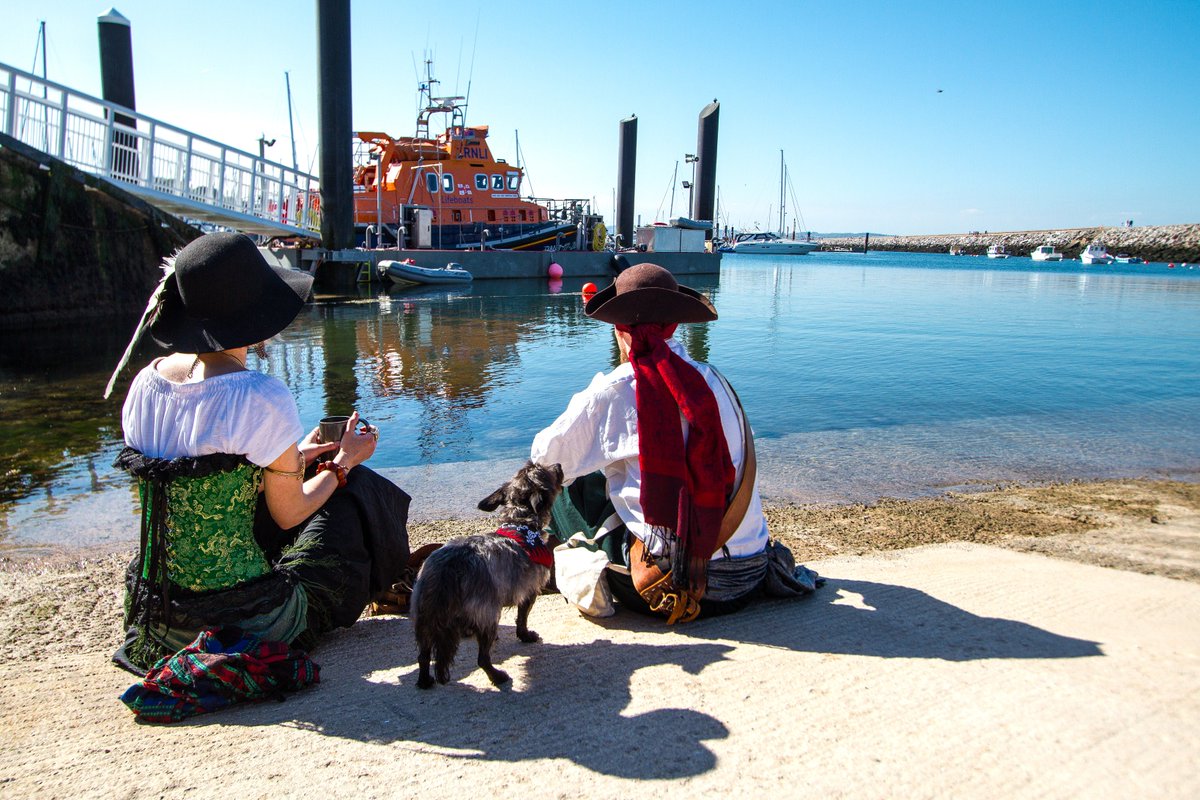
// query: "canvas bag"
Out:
[579,572]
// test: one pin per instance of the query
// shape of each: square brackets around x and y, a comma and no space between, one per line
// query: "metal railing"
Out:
[122,145]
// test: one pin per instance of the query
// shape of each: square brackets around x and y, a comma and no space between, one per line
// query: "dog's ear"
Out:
[493,500]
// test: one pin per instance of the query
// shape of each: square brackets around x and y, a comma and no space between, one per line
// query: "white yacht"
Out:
[1095,253]
[771,243]
[997,251]
[1046,252]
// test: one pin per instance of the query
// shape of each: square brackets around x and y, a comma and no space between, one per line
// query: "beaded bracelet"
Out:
[336,469]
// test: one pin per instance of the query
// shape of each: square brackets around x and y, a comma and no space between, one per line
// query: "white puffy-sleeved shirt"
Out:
[599,431]
[242,413]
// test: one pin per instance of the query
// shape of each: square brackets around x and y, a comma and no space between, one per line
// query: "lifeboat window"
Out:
[481,181]
[514,181]
[497,183]
[447,182]
[431,182]
[457,215]
[523,215]
[491,215]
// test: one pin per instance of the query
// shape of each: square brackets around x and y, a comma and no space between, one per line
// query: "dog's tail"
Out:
[441,604]
[435,618]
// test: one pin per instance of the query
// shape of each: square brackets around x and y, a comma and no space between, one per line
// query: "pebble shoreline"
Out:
[1166,243]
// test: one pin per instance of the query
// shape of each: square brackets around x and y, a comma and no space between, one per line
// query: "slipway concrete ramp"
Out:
[946,671]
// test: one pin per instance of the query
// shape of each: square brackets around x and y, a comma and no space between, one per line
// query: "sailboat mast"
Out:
[674,175]
[42,39]
[291,128]
[781,208]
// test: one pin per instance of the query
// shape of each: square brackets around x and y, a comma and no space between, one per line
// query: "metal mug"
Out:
[332,429]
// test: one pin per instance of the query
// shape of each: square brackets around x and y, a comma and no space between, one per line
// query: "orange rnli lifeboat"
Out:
[448,192]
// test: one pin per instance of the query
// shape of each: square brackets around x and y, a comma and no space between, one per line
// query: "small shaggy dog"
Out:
[463,585]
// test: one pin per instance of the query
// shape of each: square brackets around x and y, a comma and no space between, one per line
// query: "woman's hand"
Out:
[311,446]
[290,499]
[356,445]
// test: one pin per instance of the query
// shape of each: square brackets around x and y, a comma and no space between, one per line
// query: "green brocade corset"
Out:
[209,537]
[197,521]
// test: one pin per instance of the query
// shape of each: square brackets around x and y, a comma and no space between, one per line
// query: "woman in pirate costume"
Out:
[241,524]
[662,462]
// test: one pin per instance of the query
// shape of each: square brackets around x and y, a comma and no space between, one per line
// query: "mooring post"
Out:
[706,154]
[116,82]
[627,166]
[333,100]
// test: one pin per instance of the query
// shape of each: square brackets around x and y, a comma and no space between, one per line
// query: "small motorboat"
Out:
[1095,253]
[772,244]
[1124,258]
[997,251]
[958,250]
[1046,252]
[407,272]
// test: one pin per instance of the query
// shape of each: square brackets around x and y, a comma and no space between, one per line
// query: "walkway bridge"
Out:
[183,173]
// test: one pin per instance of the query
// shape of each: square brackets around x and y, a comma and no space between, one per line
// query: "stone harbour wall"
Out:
[1168,243]
[75,248]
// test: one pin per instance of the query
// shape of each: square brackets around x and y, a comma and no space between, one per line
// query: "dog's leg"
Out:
[523,632]
[424,680]
[486,638]
[446,647]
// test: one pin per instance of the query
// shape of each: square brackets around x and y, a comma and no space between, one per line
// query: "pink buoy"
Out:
[555,271]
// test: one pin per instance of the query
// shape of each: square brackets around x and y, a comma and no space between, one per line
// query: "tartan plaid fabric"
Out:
[685,487]
[221,667]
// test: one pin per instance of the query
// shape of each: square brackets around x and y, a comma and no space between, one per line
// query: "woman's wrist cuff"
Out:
[337,469]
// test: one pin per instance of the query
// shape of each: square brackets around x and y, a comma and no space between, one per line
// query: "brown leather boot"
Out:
[395,598]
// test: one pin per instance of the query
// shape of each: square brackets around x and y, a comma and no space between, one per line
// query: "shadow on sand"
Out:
[887,621]
[574,700]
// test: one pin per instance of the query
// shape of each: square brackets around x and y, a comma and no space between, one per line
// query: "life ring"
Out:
[599,237]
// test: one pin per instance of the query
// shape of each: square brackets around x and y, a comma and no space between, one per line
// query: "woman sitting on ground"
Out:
[237,528]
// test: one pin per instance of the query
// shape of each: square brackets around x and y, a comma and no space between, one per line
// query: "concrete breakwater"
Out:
[1178,243]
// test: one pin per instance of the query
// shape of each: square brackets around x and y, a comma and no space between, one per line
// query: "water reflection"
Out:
[847,364]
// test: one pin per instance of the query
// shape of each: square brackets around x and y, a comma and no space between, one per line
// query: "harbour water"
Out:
[885,374]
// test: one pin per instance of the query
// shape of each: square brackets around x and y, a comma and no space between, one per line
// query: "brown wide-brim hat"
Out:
[224,294]
[648,293]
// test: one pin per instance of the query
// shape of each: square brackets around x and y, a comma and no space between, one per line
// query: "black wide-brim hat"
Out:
[648,293]
[224,295]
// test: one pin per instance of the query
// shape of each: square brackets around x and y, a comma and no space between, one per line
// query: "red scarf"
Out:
[531,542]
[685,487]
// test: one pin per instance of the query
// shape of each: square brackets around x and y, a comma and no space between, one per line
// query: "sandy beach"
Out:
[1021,640]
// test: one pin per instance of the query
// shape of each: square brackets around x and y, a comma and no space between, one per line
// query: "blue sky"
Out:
[1051,114]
